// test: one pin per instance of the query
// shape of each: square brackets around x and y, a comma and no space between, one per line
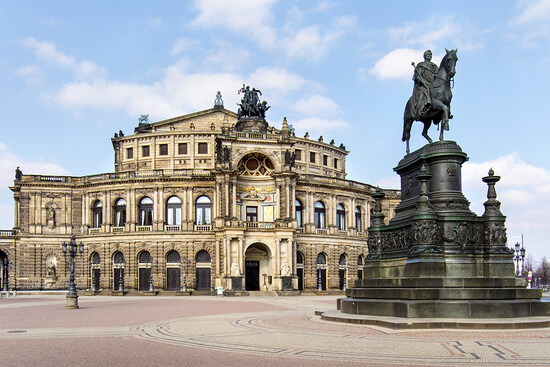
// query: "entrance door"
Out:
[300,274]
[203,279]
[323,274]
[96,273]
[144,278]
[252,274]
[342,275]
[173,279]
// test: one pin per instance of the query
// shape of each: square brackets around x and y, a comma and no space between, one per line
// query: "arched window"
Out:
[145,258]
[321,259]
[94,259]
[319,215]
[299,214]
[119,258]
[343,261]
[145,212]
[299,258]
[203,257]
[340,217]
[173,257]
[173,211]
[118,270]
[119,213]
[97,214]
[358,219]
[300,270]
[203,210]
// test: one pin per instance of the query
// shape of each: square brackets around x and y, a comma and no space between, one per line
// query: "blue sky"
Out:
[73,73]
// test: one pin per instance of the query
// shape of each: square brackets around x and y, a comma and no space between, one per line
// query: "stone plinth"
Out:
[252,124]
[436,258]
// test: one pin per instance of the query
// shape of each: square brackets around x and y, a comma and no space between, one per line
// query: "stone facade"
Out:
[192,199]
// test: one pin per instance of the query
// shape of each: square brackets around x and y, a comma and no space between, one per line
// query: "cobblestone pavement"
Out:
[251,331]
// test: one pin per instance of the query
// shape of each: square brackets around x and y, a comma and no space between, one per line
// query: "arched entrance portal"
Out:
[258,268]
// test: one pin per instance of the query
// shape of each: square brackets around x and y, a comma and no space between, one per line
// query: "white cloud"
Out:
[48,51]
[318,124]
[247,17]
[534,11]
[397,64]
[425,34]
[182,45]
[277,80]
[316,105]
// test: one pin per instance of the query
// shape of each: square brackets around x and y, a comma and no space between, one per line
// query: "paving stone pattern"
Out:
[254,331]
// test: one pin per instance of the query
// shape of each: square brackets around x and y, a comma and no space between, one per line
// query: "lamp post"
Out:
[345,285]
[185,262]
[519,257]
[72,248]
[319,282]
[6,265]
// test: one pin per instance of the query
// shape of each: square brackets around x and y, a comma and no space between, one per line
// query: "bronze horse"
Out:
[440,109]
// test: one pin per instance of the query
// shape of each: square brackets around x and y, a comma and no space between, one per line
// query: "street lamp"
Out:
[72,248]
[319,282]
[6,264]
[345,285]
[519,257]
[185,262]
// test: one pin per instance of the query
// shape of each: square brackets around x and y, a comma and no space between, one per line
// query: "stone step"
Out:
[393,293]
[433,282]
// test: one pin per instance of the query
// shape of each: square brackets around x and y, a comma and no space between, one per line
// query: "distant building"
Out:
[230,205]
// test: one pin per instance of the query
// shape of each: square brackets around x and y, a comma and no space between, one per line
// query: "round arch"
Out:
[258,269]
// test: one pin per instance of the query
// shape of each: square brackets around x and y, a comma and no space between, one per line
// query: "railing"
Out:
[202,227]
[117,229]
[172,228]
[94,230]
[8,232]
[362,234]
[260,225]
[321,231]
[343,233]
[144,228]
[300,230]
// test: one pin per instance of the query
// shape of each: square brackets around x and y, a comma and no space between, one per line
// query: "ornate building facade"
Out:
[205,200]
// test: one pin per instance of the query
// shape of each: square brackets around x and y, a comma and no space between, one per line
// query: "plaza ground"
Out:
[238,331]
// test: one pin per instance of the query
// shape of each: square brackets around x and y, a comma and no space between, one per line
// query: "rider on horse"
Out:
[424,75]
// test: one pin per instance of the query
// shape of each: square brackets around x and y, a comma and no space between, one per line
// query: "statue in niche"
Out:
[285,270]
[235,270]
[51,271]
[51,217]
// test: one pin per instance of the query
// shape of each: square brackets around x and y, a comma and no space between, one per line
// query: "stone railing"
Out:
[202,227]
[94,230]
[321,231]
[260,225]
[117,229]
[7,232]
[144,228]
[343,232]
[172,228]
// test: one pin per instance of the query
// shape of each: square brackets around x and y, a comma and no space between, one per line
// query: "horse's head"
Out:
[449,61]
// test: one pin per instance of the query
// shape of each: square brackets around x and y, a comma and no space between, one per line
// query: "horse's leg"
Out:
[440,106]
[425,130]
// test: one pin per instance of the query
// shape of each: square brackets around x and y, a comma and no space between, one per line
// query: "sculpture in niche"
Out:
[51,271]
[51,217]
[235,270]
[285,269]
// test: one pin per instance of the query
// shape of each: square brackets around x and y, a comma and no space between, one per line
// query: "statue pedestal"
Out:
[436,258]
[252,124]
[72,302]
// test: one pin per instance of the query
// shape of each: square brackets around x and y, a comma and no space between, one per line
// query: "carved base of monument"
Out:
[252,124]
[436,258]
[72,302]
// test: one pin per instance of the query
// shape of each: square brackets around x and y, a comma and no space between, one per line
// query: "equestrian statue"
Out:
[431,99]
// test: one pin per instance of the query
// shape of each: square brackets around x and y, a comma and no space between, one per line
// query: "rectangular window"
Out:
[182,148]
[129,153]
[163,149]
[298,154]
[203,148]
[312,157]
[145,151]
[251,213]
[325,160]
[336,163]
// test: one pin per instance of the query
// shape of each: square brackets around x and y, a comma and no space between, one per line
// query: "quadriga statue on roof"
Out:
[431,99]
[250,105]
